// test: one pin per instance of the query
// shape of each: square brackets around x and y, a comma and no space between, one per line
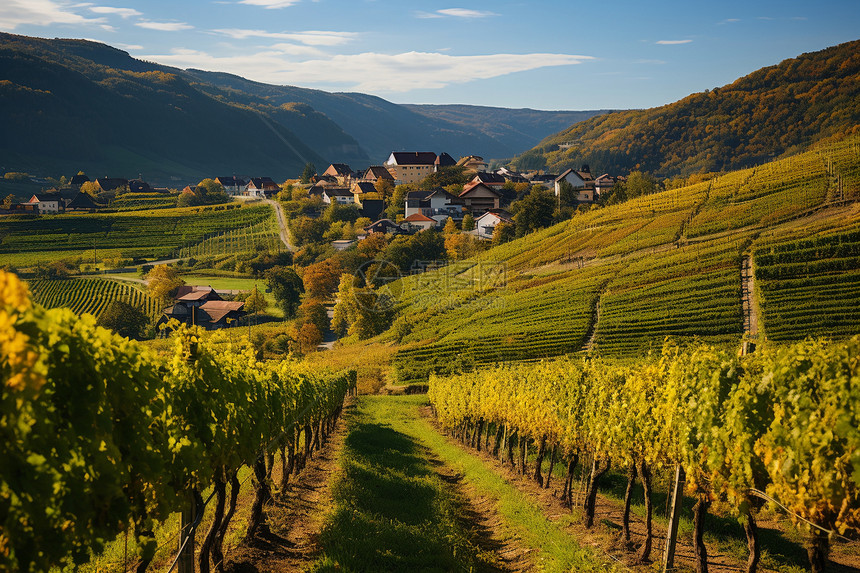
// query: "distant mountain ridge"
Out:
[510,126]
[770,113]
[76,104]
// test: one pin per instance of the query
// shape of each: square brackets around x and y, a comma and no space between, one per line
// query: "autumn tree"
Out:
[162,282]
[461,246]
[7,202]
[450,228]
[321,279]
[309,338]
[503,232]
[313,310]
[385,188]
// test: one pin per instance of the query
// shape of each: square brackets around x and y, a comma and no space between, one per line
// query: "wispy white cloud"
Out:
[465,13]
[729,21]
[14,13]
[127,47]
[270,4]
[370,71]
[122,12]
[455,13]
[766,18]
[310,37]
[672,42]
[164,26]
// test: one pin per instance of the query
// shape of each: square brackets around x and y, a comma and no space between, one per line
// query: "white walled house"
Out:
[581,181]
[232,185]
[438,204]
[486,223]
[337,195]
[417,222]
[46,202]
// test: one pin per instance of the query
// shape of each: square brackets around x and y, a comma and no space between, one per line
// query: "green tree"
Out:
[255,301]
[396,204]
[162,282]
[468,223]
[502,233]
[124,319]
[639,184]
[308,172]
[287,288]
[534,211]
[445,176]
[214,192]
[313,310]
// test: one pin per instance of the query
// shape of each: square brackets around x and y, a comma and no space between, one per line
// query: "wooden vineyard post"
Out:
[674,518]
[186,537]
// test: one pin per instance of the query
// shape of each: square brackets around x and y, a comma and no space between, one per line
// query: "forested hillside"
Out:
[63,112]
[69,105]
[512,127]
[773,112]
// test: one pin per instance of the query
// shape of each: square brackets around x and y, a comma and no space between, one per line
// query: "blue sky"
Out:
[542,54]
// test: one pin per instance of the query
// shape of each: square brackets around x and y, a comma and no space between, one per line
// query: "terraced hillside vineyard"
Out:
[90,295]
[157,233]
[621,278]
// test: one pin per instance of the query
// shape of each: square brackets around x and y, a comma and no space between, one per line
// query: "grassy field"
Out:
[394,512]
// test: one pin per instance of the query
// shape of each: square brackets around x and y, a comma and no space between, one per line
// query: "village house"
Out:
[81,202]
[472,163]
[340,195]
[581,181]
[341,172]
[511,176]
[479,198]
[261,187]
[417,222]
[410,166]
[139,186]
[232,185]
[375,173]
[605,183]
[47,203]
[368,200]
[489,179]
[385,226]
[444,160]
[111,183]
[78,180]
[202,306]
[437,204]
[486,223]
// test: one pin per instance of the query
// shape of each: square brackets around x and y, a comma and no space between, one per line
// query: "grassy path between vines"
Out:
[409,500]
